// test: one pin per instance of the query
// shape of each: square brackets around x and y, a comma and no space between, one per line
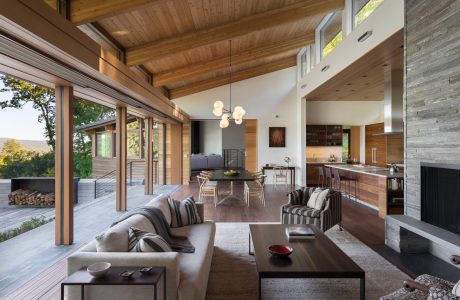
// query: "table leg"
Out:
[362,288]
[82,292]
[231,188]
[62,292]
[260,288]
[250,253]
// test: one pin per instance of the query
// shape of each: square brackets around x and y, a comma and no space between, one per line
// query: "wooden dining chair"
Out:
[280,175]
[208,188]
[255,188]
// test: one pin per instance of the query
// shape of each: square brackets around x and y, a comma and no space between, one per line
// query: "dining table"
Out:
[243,175]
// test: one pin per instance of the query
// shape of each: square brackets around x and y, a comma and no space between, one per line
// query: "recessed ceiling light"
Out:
[353,90]
[385,65]
[364,76]
[325,68]
[349,83]
[303,86]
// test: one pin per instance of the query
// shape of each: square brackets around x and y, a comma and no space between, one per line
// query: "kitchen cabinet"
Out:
[383,149]
[324,135]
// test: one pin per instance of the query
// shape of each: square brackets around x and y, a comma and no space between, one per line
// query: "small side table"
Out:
[113,277]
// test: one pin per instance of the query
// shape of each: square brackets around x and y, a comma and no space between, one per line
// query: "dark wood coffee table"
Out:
[113,277]
[316,258]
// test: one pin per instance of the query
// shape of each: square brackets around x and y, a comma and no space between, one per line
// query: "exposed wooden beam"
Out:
[237,76]
[168,77]
[158,49]
[86,11]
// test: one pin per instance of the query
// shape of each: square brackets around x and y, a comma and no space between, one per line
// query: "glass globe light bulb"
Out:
[217,112]
[219,104]
[238,121]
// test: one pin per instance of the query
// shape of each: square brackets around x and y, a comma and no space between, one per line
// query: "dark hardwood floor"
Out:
[359,220]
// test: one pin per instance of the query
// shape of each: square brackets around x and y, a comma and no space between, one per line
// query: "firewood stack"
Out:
[29,197]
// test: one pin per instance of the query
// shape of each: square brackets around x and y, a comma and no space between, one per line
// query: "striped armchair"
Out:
[297,212]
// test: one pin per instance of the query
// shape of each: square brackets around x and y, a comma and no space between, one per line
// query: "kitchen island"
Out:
[376,187]
[313,172]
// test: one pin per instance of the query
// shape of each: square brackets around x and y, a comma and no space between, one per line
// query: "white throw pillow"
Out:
[112,241]
[456,289]
[312,200]
[321,200]
[161,202]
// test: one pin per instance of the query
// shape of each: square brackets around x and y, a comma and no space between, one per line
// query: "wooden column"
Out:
[174,153]
[161,153]
[186,153]
[250,137]
[149,174]
[64,166]
[141,124]
[121,158]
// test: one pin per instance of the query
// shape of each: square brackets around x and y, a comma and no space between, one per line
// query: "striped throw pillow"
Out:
[184,212]
[143,241]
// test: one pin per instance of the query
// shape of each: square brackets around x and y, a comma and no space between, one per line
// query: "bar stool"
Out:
[329,180]
[338,179]
[321,176]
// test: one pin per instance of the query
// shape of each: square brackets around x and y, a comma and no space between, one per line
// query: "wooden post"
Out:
[174,153]
[148,175]
[64,166]
[141,124]
[121,158]
[161,153]
[186,153]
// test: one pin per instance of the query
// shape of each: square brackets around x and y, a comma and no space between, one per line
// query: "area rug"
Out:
[233,271]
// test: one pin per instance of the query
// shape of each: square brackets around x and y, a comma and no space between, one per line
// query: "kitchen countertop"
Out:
[324,162]
[369,170]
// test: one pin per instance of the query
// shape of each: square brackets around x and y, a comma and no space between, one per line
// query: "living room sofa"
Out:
[186,273]
[297,212]
[200,162]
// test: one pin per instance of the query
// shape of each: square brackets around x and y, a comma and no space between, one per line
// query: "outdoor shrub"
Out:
[24,227]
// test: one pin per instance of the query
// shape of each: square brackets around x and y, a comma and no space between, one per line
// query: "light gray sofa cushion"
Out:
[115,239]
[194,268]
[161,202]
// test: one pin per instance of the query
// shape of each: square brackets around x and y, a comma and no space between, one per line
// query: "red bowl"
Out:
[280,250]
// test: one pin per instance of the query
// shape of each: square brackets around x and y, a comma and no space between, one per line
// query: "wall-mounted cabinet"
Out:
[324,135]
[383,149]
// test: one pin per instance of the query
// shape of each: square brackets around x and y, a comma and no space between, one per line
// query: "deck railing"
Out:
[106,184]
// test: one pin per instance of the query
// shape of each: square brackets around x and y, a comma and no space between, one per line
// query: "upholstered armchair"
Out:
[325,217]
[427,287]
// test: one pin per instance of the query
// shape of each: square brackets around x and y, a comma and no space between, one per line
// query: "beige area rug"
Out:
[233,272]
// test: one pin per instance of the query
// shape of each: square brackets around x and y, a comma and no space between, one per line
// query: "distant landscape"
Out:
[40,146]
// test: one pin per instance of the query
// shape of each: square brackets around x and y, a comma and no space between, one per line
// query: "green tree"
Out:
[16,161]
[43,99]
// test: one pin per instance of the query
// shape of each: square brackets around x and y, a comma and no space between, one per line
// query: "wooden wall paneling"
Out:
[64,166]
[378,142]
[174,153]
[186,139]
[395,148]
[148,172]
[250,139]
[355,142]
[121,158]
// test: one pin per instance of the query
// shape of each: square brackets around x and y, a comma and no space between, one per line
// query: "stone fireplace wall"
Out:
[432,90]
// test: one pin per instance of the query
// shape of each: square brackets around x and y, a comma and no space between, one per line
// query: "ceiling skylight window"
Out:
[331,34]
[363,9]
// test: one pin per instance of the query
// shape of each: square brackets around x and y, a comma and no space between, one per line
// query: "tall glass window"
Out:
[331,34]
[312,57]
[103,144]
[363,9]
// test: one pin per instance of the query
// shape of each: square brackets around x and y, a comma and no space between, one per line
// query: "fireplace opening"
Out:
[440,196]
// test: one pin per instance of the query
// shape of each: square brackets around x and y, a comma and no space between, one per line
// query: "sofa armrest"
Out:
[200,209]
[170,260]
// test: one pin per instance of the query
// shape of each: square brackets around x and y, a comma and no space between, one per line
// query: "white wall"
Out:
[353,113]
[210,137]
[263,97]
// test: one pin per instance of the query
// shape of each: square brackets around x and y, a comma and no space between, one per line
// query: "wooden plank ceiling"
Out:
[184,44]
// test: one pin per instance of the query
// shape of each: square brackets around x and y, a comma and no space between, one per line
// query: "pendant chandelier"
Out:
[227,114]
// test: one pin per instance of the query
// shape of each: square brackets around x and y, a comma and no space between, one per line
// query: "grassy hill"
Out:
[40,146]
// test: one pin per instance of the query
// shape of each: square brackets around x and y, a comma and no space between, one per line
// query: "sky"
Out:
[20,124]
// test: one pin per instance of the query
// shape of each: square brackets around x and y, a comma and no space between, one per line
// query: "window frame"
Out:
[109,134]
[353,15]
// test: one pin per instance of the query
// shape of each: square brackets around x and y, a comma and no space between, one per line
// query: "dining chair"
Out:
[207,188]
[255,188]
[280,175]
